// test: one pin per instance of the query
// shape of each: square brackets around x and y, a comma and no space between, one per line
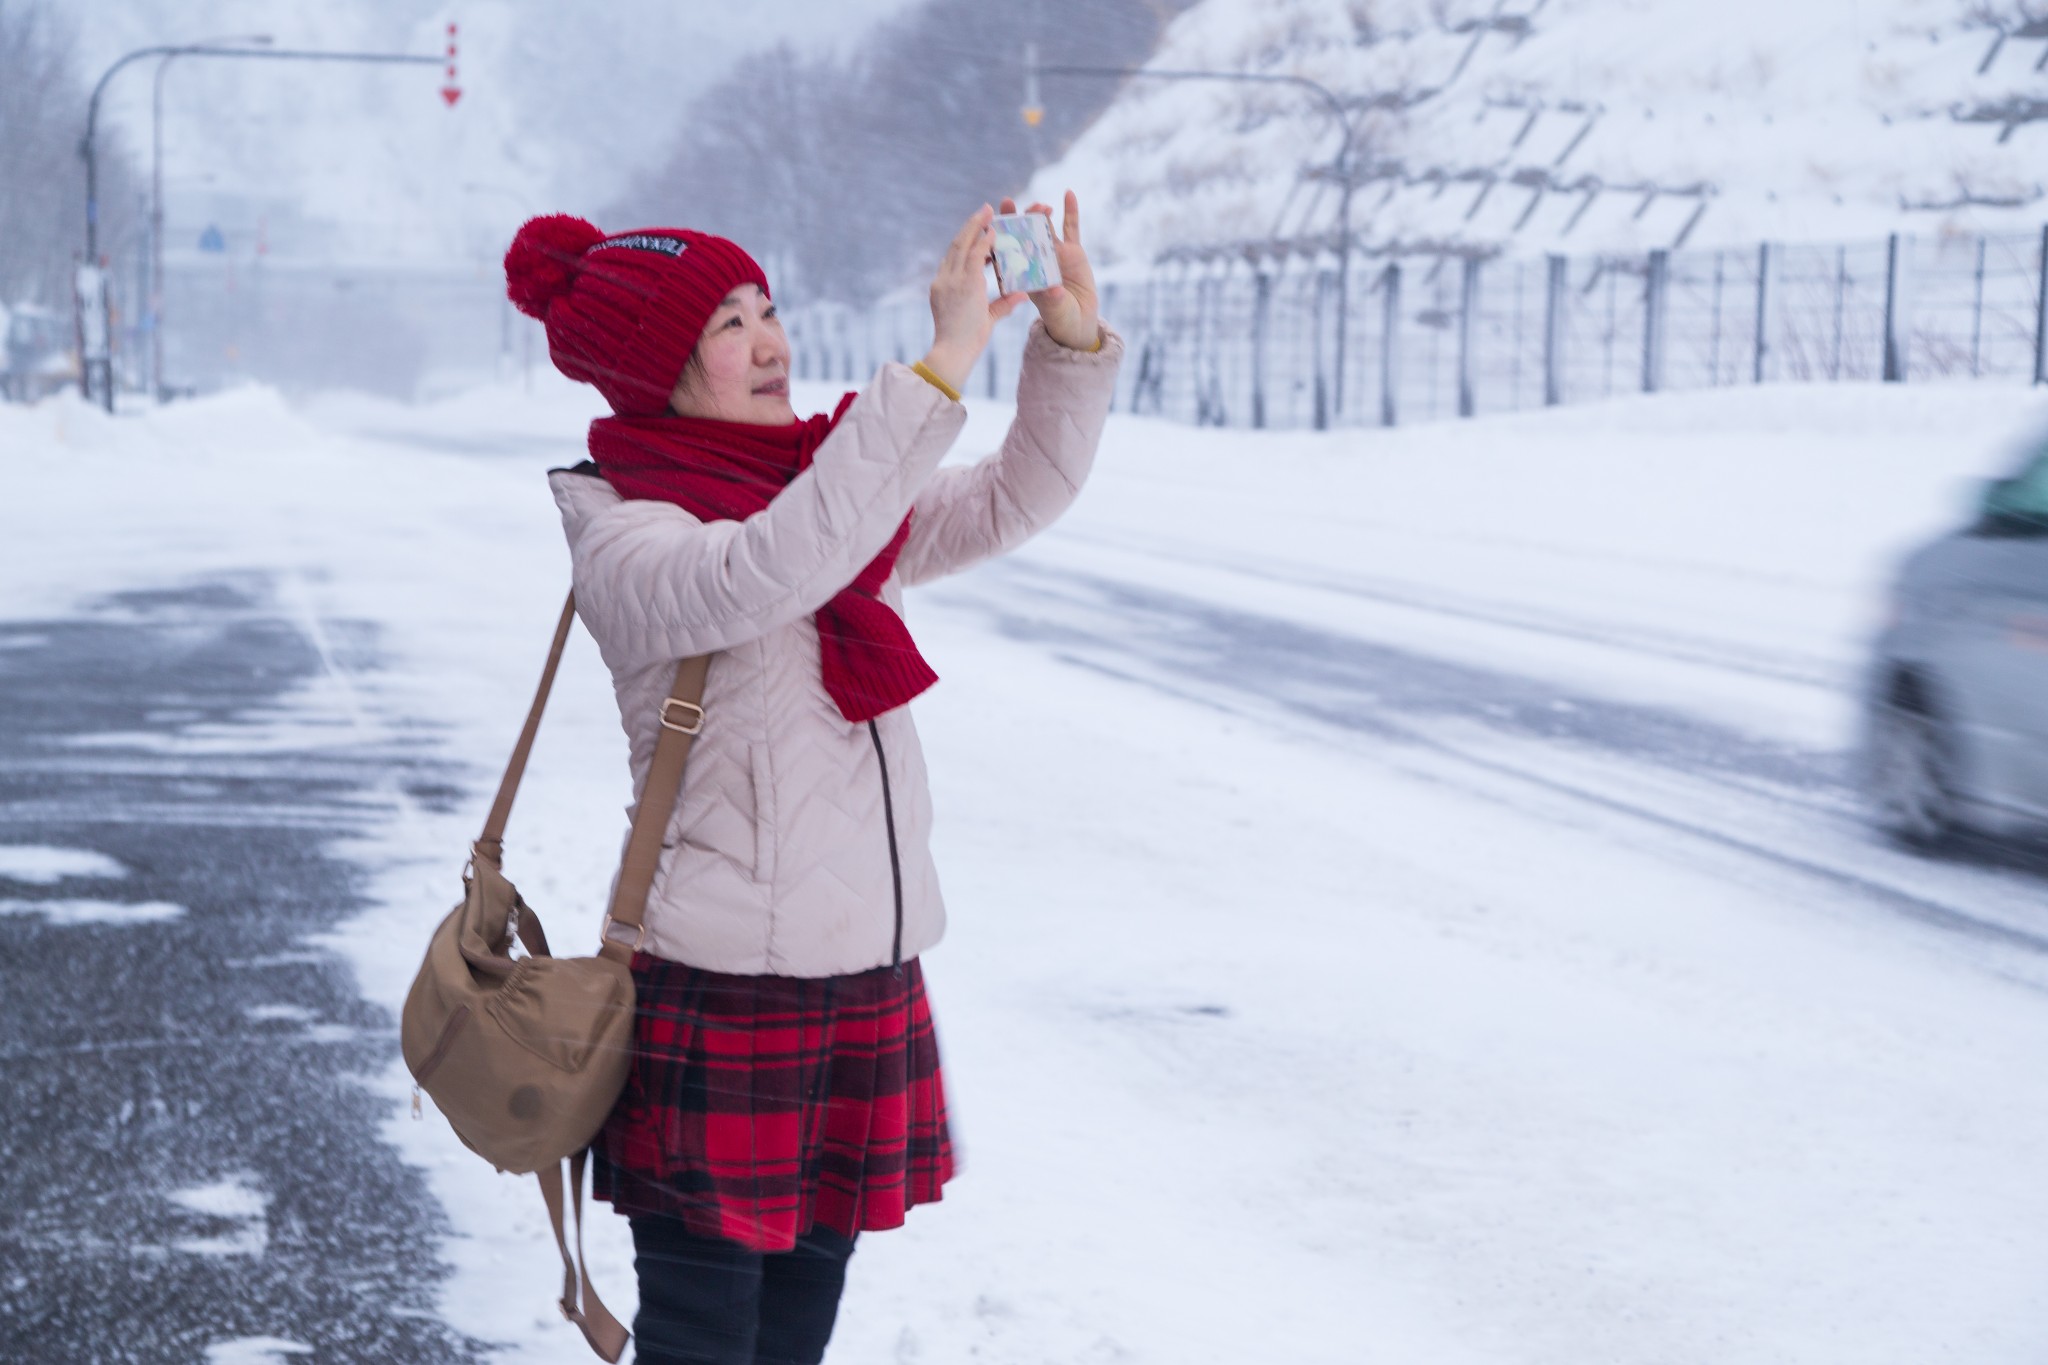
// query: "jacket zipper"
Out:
[895,859]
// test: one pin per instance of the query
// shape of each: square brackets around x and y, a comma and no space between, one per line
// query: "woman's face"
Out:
[740,371]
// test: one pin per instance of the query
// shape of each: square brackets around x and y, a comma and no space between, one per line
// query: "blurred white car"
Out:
[1956,708]
[38,353]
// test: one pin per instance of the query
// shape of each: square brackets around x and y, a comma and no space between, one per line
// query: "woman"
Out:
[785,1093]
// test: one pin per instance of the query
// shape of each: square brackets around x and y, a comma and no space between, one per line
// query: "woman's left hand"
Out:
[1071,309]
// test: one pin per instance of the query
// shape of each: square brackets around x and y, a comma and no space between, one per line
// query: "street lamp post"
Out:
[88,150]
[155,312]
[1344,155]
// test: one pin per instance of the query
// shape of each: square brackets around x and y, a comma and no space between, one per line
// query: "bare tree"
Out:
[42,118]
[847,174]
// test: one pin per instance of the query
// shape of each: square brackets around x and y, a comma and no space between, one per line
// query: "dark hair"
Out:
[694,365]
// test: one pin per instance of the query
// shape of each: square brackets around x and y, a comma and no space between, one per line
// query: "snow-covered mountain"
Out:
[1574,125]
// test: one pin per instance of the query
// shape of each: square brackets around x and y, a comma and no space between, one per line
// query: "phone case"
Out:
[1024,256]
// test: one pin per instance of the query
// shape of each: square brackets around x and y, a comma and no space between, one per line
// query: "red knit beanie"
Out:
[623,312]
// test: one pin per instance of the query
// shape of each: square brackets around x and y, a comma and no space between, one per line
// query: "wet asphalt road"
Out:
[187,1155]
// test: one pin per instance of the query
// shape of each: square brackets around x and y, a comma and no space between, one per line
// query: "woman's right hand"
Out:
[962,313]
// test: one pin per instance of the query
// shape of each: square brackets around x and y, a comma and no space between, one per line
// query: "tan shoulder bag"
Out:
[526,1056]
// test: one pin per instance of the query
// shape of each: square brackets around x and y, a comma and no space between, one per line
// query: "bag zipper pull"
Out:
[415,1102]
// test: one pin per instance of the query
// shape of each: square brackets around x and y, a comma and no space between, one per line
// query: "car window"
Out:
[2024,495]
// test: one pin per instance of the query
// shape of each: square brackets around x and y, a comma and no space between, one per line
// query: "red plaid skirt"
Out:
[761,1105]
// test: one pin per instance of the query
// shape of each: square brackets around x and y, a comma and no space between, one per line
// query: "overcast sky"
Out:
[563,100]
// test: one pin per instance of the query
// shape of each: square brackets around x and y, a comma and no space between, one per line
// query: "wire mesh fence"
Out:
[1289,343]
[1276,342]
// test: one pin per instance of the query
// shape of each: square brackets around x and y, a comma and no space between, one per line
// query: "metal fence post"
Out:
[1841,307]
[1209,409]
[1390,348]
[2041,318]
[1262,303]
[1977,313]
[1613,303]
[1896,341]
[1322,385]
[1714,359]
[1468,305]
[1553,333]
[1763,311]
[1109,310]
[1656,288]
[1515,390]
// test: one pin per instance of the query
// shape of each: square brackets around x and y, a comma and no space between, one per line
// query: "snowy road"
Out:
[1428,925]
[1677,774]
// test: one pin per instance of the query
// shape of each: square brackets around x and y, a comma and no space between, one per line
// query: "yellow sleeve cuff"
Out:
[924,372]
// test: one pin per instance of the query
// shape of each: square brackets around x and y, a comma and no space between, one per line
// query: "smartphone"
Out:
[1024,257]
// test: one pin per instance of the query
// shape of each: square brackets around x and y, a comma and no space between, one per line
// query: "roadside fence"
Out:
[1251,341]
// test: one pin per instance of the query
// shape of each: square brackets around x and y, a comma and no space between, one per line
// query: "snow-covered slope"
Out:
[1575,125]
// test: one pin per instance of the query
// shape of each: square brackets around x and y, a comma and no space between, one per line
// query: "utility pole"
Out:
[1345,152]
[87,147]
[154,306]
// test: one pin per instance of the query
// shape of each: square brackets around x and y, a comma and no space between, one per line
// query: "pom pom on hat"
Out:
[541,264]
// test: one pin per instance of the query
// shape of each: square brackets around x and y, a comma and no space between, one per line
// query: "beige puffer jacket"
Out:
[801,845]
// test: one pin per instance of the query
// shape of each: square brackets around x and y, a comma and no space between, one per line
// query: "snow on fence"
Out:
[1254,343]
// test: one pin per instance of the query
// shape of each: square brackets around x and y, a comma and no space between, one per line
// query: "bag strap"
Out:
[682,717]
[603,1331]
[491,843]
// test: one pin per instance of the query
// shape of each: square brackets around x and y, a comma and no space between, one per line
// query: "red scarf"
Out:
[728,471]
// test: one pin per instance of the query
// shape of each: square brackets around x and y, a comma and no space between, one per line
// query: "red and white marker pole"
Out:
[451,92]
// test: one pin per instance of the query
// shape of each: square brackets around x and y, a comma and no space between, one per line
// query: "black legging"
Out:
[707,1301]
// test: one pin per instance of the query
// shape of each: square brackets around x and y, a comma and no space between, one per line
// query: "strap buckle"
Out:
[608,935]
[693,727]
